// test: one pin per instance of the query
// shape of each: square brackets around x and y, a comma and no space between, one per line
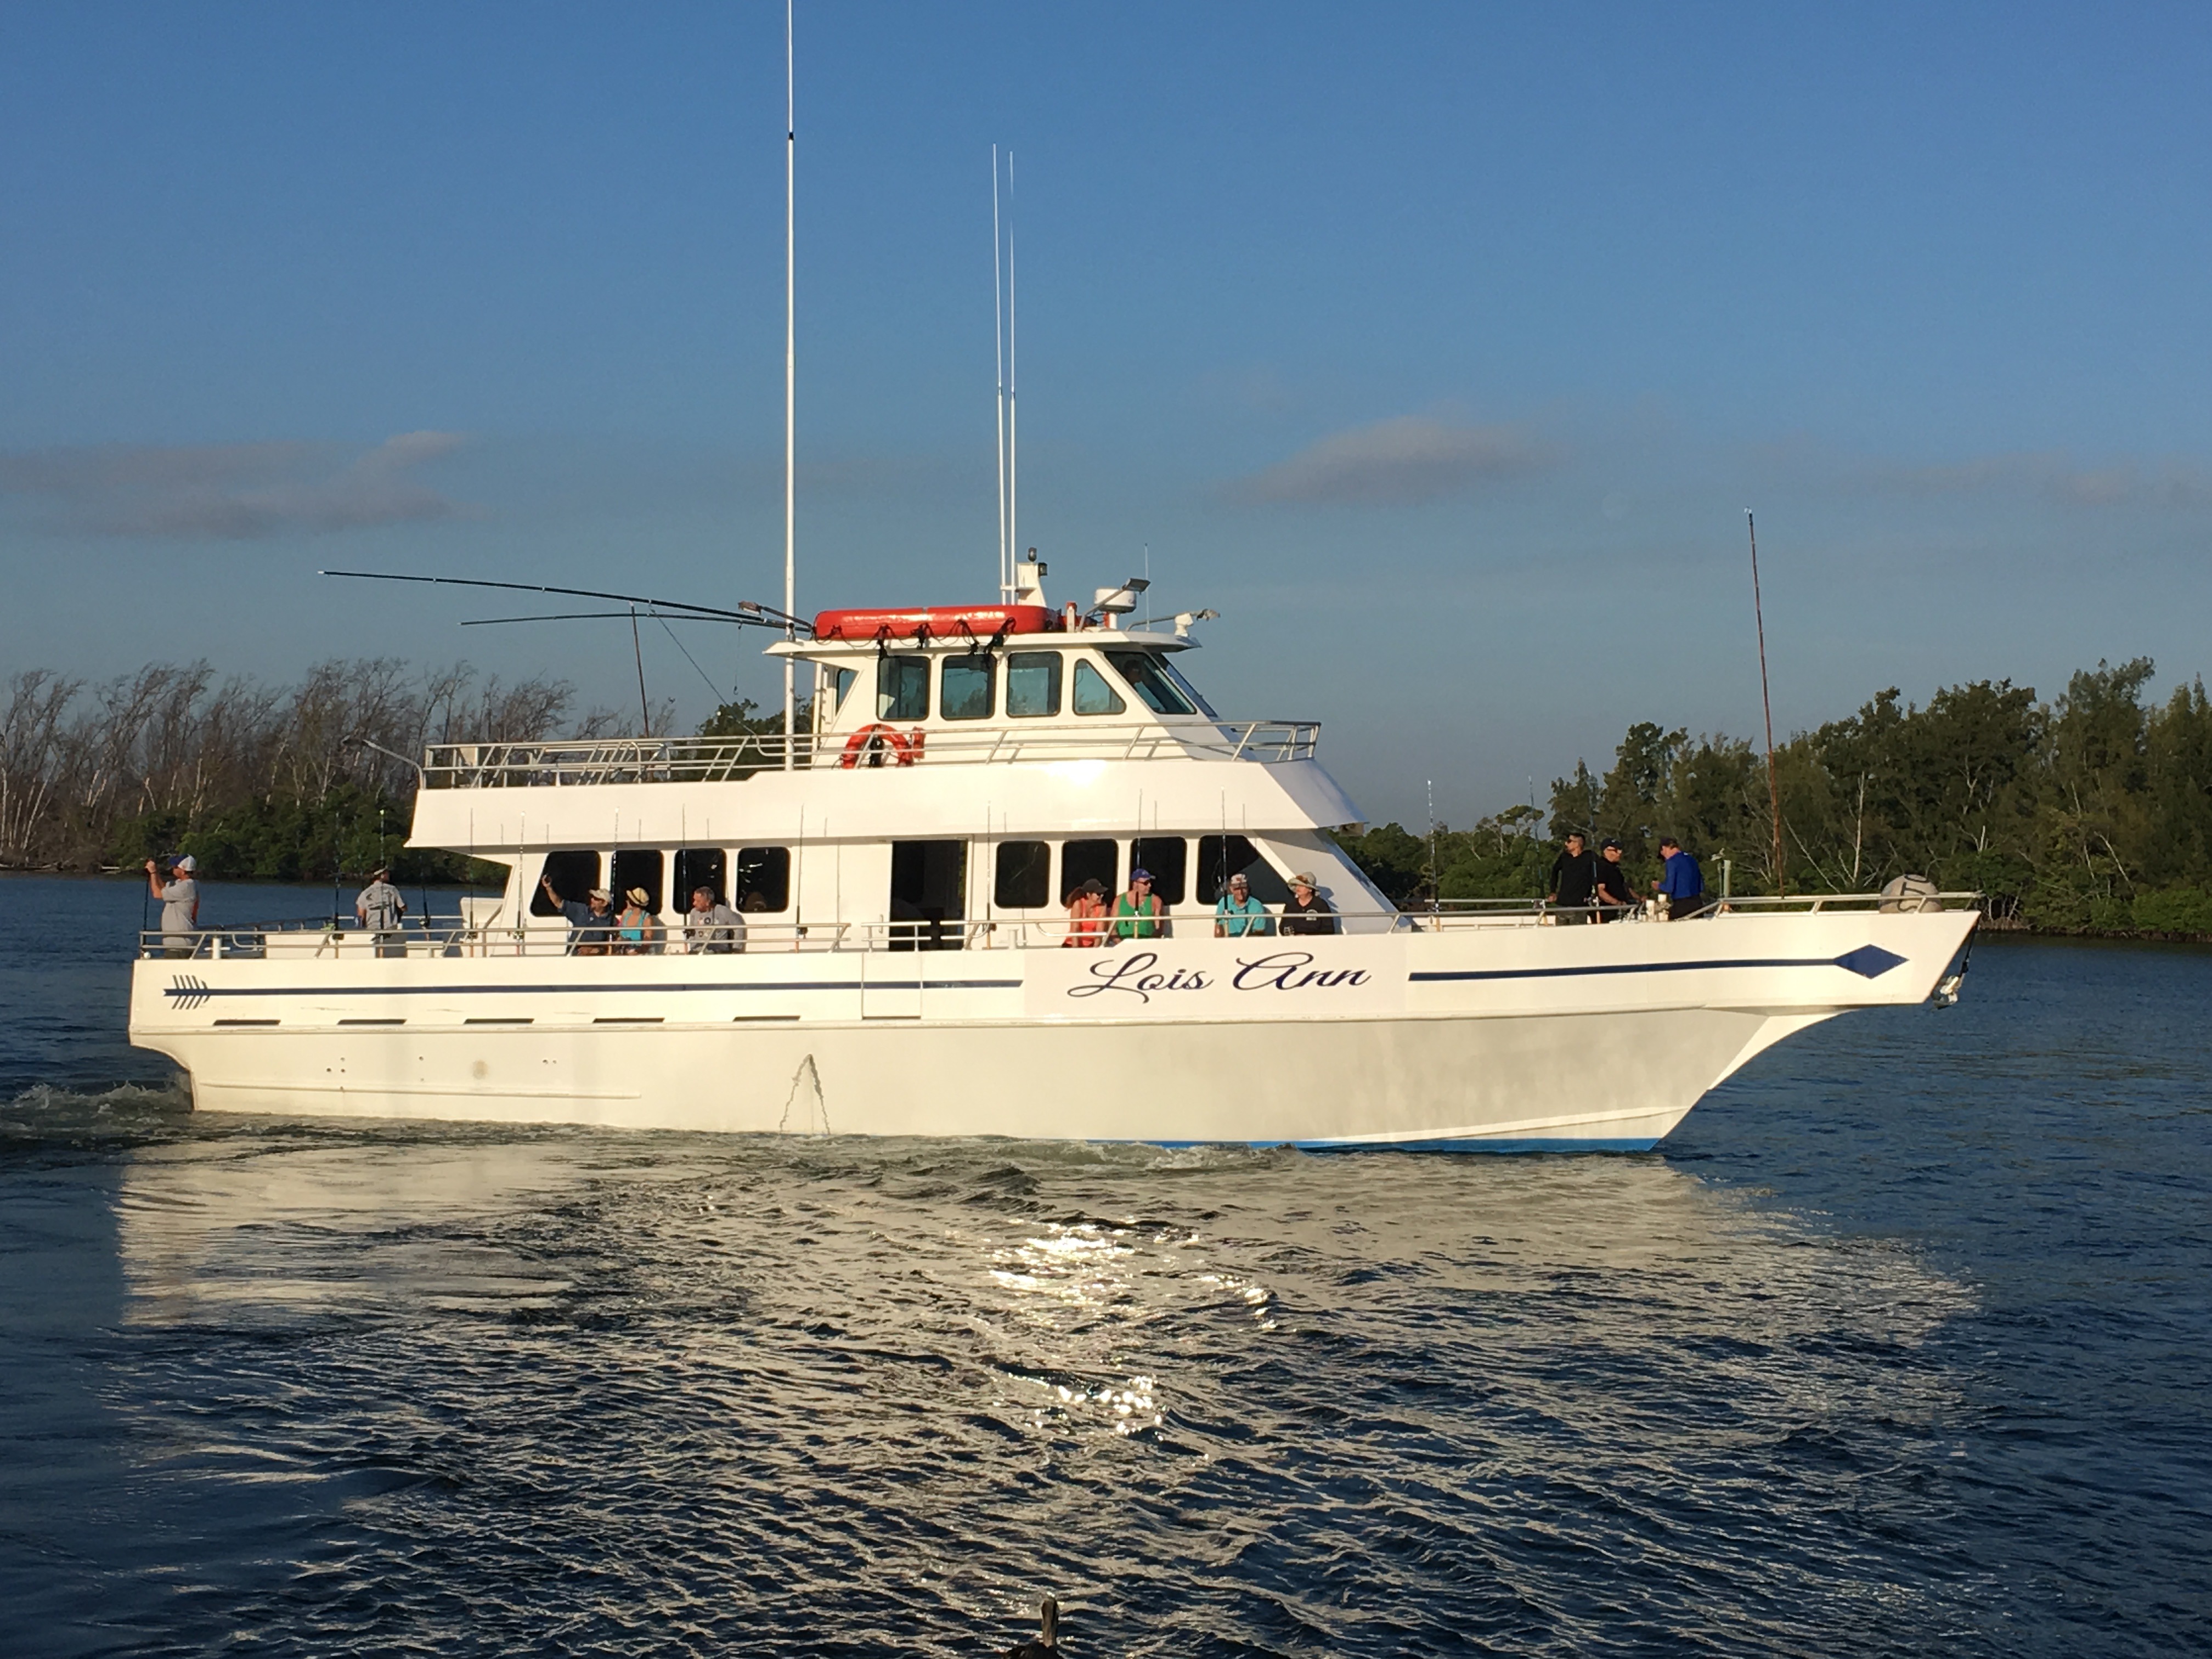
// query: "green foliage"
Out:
[348,833]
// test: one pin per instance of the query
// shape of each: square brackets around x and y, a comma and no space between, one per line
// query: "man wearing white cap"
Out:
[180,905]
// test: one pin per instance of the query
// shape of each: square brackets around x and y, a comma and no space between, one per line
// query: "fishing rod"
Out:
[1773,784]
[748,614]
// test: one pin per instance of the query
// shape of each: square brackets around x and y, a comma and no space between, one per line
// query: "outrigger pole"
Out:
[748,614]
[790,378]
[1773,784]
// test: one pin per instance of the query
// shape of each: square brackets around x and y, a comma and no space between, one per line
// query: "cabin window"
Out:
[967,687]
[572,875]
[1033,684]
[1025,875]
[928,888]
[1164,856]
[764,881]
[1188,690]
[638,866]
[1093,694]
[903,689]
[1220,857]
[701,867]
[1148,680]
[1089,860]
[836,684]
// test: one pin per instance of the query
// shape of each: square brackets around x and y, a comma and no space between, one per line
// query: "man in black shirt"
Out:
[1615,897]
[1574,879]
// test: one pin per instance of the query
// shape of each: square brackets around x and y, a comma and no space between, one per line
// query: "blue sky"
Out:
[1439,348]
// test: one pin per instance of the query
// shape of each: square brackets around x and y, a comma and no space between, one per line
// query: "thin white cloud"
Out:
[231,492]
[2052,475]
[1406,459]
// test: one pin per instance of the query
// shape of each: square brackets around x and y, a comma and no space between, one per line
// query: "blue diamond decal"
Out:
[1869,961]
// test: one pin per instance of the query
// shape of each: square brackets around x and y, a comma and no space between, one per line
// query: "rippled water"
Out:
[1898,1347]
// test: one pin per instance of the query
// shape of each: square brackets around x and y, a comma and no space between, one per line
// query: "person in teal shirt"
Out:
[1237,914]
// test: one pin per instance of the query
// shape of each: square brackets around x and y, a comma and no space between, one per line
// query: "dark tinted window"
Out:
[903,689]
[764,881]
[1032,684]
[637,866]
[1164,856]
[1151,681]
[700,866]
[1025,875]
[1083,861]
[836,684]
[1093,694]
[573,875]
[1220,857]
[967,691]
[928,890]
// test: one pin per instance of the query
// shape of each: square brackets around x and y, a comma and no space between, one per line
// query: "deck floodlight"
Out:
[1185,618]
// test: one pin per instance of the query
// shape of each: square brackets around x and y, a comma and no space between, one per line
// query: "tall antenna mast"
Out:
[1773,784]
[999,344]
[790,380]
[1013,408]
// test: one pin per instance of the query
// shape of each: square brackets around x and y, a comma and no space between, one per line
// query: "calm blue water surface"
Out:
[1898,1347]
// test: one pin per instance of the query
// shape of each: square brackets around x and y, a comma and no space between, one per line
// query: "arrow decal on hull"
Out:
[1868,961]
[186,992]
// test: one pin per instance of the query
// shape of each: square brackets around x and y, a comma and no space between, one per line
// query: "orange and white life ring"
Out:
[871,740]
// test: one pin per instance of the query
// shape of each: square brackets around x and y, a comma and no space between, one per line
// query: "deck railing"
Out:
[313,938]
[562,761]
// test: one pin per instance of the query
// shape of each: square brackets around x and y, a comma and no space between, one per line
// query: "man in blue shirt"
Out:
[1683,884]
[1237,913]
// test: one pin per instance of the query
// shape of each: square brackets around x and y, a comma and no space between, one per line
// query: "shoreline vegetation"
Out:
[2089,814]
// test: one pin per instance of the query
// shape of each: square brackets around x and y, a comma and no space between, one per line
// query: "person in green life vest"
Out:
[1237,914]
[1137,910]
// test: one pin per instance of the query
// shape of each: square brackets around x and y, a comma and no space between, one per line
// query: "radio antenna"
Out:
[1773,784]
[999,345]
[790,376]
[1013,408]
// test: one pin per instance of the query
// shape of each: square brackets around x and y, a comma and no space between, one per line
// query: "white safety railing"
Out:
[556,762]
[319,936]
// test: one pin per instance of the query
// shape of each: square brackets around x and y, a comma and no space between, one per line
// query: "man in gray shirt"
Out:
[180,905]
[710,926]
[379,907]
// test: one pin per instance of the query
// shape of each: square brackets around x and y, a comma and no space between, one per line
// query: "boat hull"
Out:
[1488,1039]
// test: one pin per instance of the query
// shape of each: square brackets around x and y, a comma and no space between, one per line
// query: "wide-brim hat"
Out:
[638,895]
[1304,878]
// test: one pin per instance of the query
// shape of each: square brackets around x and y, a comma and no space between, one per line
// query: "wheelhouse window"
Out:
[1033,684]
[967,687]
[572,875]
[1089,860]
[701,867]
[1164,856]
[1150,680]
[903,689]
[764,881]
[1093,694]
[638,866]
[834,684]
[1220,857]
[1188,690]
[1025,876]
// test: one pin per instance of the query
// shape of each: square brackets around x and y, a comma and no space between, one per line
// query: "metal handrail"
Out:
[319,936]
[563,762]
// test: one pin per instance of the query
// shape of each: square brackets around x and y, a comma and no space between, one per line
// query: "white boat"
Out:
[906,966]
